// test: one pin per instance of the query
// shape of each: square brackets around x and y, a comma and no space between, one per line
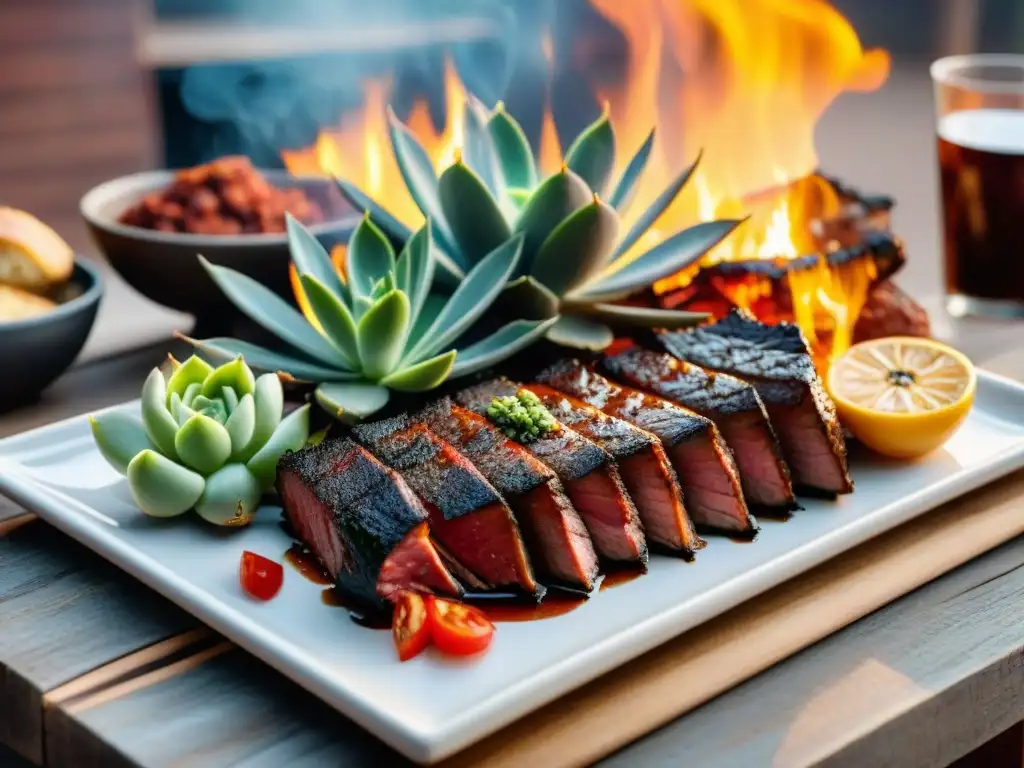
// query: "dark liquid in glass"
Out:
[981,159]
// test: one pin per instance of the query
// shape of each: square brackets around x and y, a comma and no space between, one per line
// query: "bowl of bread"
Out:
[48,303]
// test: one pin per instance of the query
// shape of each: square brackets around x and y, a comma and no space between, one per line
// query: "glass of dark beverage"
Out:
[979,102]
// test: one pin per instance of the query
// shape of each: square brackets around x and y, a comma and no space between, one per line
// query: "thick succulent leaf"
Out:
[423,376]
[514,153]
[368,258]
[334,317]
[668,257]
[193,390]
[159,424]
[269,360]
[212,407]
[626,186]
[526,298]
[658,207]
[241,424]
[592,155]
[162,488]
[479,151]
[192,371]
[311,258]
[578,248]
[382,333]
[363,203]
[477,222]
[621,315]
[231,496]
[580,333]
[470,300]
[432,307]
[518,196]
[119,437]
[269,402]
[269,310]
[234,374]
[418,173]
[556,197]
[500,345]
[351,402]
[203,444]
[179,411]
[291,435]
[415,270]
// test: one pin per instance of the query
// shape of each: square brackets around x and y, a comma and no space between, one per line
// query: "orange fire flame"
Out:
[756,77]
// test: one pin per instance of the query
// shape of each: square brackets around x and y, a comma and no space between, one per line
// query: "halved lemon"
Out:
[902,396]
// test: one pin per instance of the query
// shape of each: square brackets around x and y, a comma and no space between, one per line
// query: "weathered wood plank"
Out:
[921,682]
[24,114]
[10,759]
[64,612]
[229,710]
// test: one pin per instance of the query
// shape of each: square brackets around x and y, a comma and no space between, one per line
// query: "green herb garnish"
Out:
[521,417]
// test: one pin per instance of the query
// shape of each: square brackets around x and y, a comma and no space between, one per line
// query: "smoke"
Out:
[259,107]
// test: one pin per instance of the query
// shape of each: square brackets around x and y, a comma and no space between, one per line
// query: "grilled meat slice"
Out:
[777,361]
[467,515]
[359,518]
[646,471]
[711,485]
[589,475]
[732,404]
[555,535]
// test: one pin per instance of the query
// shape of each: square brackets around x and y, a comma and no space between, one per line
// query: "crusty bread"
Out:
[32,256]
[16,304]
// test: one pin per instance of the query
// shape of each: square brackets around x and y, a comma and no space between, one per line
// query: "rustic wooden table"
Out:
[97,670]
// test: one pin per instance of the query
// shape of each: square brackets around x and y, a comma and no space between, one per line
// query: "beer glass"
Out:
[979,102]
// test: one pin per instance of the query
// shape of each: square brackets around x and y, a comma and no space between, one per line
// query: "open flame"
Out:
[745,82]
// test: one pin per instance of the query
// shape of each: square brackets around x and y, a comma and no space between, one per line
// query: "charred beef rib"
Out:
[359,518]
[704,463]
[590,476]
[467,515]
[646,470]
[777,361]
[732,404]
[555,534]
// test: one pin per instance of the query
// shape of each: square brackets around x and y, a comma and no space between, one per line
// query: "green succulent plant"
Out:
[575,263]
[375,326]
[209,440]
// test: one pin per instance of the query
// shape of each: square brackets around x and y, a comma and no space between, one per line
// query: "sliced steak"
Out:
[467,515]
[711,484]
[555,535]
[777,361]
[589,475]
[359,518]
[646,471]
[732,404]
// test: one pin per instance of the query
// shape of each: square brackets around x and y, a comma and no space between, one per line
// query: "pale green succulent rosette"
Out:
[375,326]
[578,258]
[209,440]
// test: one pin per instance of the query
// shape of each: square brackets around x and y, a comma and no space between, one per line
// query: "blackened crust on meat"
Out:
[454,487]
[569,454]
[505,463]
[742,346]
[777,361]
[702,391]
[364,512]
[620,438]
[670,422]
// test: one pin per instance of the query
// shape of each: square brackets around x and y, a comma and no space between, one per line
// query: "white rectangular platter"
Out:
[431,707]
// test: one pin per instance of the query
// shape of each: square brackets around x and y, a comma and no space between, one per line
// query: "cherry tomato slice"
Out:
[457,628]
[409,627]
[261,578]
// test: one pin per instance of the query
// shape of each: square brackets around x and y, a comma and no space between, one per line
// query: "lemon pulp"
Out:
[902,397]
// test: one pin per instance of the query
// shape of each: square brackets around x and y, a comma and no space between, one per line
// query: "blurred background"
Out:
[92,89]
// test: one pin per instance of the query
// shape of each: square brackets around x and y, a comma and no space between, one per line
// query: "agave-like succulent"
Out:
[575,264]
[374,326]
[209,440]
